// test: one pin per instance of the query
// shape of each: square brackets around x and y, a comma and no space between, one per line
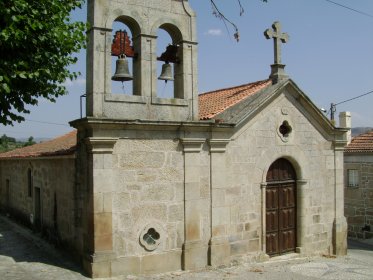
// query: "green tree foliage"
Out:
[5,139]
[29,142]
[37,42]
[9,143]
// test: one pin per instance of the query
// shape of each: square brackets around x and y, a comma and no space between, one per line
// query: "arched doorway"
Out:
[281,208]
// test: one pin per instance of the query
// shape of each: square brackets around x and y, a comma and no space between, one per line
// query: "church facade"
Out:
[164,184]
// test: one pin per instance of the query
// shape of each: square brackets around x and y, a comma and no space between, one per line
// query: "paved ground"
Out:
[23,256]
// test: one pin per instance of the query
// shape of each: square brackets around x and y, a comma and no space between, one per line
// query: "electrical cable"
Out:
[47,122]
[349,8]
[353,98]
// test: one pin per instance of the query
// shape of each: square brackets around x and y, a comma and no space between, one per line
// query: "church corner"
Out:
[180,183]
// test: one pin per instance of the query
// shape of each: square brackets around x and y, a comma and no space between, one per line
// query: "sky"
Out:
[329,56]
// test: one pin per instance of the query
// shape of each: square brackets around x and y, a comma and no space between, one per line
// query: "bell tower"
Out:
[142,20]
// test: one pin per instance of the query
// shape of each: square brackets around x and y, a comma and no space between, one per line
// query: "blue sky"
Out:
[329,56]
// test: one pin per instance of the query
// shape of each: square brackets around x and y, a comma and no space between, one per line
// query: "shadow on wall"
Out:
[354,244]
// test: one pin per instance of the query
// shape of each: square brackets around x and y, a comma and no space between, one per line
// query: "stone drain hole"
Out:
[151,237]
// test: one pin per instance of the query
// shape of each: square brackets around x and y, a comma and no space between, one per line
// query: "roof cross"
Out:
[278,37]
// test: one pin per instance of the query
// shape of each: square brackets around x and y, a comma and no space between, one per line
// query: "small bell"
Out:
[122,72]
[166,74]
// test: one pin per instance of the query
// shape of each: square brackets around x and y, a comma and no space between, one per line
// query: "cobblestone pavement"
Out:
[24,256]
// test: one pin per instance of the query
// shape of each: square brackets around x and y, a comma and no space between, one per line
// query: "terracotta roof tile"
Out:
[362,143]
[210,104]
[63,145]
[215,102]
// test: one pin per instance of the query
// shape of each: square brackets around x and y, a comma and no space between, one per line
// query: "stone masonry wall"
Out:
[149,194]
[248,159]
[359,200]
[55,178]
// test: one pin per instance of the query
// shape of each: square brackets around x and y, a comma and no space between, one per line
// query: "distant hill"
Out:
[359,130]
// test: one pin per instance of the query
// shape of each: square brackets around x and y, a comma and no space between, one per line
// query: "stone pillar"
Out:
[186,75]
[219,248]
[301,215]
[97,70]
[100,191]
[148,66]
[194,251]
[263,187]
[345,122]
[340,222]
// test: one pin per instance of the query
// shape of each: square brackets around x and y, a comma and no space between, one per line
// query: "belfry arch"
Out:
[144,102]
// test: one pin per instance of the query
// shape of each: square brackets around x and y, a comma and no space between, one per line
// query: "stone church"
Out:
[149,184]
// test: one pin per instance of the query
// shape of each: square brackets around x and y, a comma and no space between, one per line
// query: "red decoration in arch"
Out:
[122,45]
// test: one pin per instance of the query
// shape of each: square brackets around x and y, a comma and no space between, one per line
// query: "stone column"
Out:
[263,187]
[345,122]
[340,222]
[219,248]
[98,67]
[301,215]
[100,190]
[186,75]
[194,251]
[145,66]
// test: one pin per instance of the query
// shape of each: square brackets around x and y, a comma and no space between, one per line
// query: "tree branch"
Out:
[217,12]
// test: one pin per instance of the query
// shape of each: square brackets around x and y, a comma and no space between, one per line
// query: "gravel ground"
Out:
[24,256]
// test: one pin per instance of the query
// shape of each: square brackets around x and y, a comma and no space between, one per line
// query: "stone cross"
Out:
[278,37]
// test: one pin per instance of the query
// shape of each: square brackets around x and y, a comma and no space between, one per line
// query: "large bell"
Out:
[166,74]
[122,72]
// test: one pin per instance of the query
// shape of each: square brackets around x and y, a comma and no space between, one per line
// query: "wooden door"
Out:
[280,208]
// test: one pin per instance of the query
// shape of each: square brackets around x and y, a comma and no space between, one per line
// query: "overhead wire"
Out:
[353,98]
[52,123]
[349,8]
[333,106]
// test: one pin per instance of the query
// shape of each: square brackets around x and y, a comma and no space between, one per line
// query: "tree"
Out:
[30,141]
[217,12]
[37,42]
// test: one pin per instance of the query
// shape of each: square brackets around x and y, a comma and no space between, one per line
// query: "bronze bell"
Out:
[122,72]
[166,74]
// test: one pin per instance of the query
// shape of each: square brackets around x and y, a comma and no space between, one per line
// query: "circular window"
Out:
[284,131]
[150,238]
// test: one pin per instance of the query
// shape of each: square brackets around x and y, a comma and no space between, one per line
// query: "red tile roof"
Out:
[63,145]
[214,102]
[210,104]
[362,143]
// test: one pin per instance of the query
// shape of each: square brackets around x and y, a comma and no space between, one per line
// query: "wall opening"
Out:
[29,182]
[122,60]
[165,68]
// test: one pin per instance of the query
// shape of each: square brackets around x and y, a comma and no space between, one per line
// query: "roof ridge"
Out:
[234,87]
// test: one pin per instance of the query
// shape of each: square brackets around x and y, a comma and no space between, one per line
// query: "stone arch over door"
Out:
[280,208]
